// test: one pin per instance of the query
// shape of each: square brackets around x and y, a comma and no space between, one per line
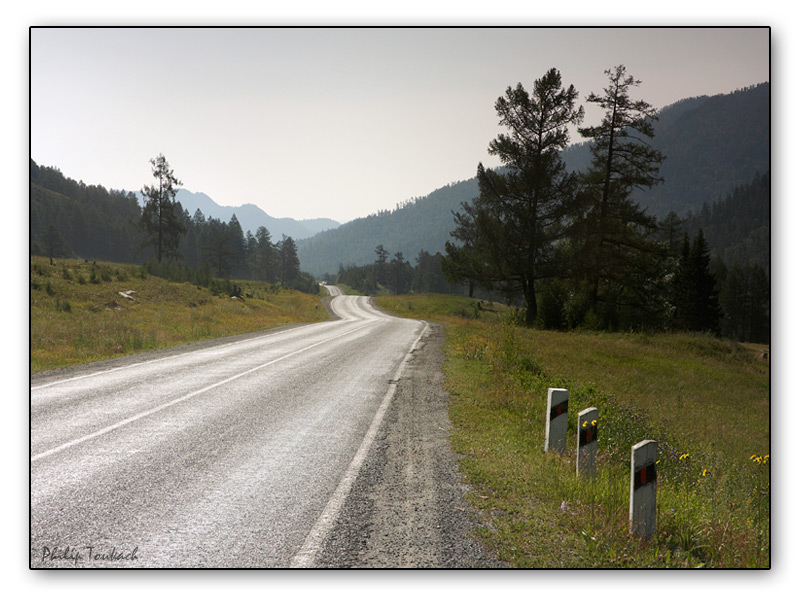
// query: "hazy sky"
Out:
[332,122]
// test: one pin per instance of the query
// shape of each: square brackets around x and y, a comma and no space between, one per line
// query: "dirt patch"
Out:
[407,507]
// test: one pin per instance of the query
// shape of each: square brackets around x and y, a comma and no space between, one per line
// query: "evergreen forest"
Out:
[72,219]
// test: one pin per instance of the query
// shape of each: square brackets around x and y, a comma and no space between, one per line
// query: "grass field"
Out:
[705,400]
[78,314]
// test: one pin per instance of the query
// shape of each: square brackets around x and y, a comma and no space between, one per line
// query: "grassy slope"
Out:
[77,317]
[695,395]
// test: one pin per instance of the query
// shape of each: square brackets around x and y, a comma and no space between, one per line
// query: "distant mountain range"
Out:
[713,145]
[251,217]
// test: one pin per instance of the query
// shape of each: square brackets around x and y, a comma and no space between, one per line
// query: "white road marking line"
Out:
[308,552]
[140,415]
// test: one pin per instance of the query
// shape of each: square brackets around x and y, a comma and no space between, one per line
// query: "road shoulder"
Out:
[407,508]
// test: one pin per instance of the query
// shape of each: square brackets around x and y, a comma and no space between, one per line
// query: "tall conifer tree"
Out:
[611,233]
[517,217]
[161,215]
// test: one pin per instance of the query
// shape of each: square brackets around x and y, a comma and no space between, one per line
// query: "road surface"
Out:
[243,453]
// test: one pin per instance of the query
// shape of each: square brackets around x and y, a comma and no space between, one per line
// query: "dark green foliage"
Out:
[92,222]
[463,260]
[263,257]
[362,279]
[54,244]
[225,287]
[172,271]
[737,228]
[429,276]
[161,215]
[69,218]
[423,223]
[288,263]
[238,248]
[694,289]
[400,274]
[713,143]
[306,283]
[614,248]
[219,246]
[745,301]
[403,277]
[381,275]
[507,232]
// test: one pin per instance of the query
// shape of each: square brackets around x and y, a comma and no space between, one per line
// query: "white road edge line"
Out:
[140,415]
[305,557]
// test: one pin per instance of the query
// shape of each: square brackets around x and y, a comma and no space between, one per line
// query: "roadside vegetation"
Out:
[705,400]
[79,313]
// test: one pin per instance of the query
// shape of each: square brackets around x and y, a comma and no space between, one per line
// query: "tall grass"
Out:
[704,400]
[74,322]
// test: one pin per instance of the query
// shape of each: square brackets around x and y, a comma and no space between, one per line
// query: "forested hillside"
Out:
[421,224]
[712,145]
[737,228]
[71,219]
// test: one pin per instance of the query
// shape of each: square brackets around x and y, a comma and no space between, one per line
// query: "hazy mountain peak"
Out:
[251,216]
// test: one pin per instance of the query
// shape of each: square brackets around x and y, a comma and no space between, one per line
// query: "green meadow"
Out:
[78,313]
[705,400]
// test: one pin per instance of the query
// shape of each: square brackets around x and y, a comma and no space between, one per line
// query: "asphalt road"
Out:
[235,454]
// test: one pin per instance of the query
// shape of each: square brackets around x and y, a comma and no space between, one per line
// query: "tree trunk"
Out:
[529,292]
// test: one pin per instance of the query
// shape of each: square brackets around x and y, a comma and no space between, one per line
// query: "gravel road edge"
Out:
[407,508]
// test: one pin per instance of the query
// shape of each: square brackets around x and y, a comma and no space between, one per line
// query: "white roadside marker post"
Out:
[555,434]
[642,513]
[587,443]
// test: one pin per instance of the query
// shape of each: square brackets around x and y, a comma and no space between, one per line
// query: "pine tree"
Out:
[694,289]
[683,294]
[464,260]
[161,215]
[400,273]
[517,217]
[745,302]
[54,244]
[289,263]
[707,311]
[267,256]
[218,247]
[238,264]
[614,251]
[380,265]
